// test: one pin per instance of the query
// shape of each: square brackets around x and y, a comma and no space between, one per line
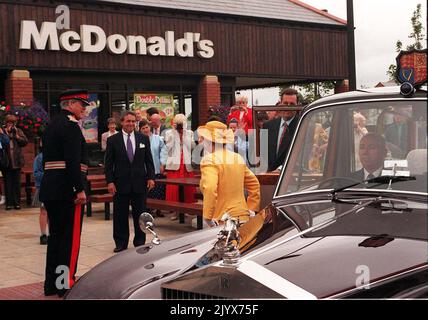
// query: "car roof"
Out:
[367,94]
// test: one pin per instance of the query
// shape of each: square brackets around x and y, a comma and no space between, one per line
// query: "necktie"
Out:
[129,149]
[284,130]
[370,176]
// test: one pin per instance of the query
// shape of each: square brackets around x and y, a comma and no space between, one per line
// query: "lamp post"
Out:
[351,45]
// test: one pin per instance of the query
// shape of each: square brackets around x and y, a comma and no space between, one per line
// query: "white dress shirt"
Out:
[374,173]
[125,139]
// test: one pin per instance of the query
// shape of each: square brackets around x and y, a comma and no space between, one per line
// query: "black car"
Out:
[331,231]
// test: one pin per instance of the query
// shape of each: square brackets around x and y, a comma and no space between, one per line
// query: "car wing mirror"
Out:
[147,224]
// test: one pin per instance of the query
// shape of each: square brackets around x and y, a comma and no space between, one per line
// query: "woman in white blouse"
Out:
[111,123]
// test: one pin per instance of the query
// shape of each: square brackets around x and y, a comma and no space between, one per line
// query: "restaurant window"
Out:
[119,102]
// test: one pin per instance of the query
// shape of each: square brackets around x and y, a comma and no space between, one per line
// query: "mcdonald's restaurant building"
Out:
[196,52]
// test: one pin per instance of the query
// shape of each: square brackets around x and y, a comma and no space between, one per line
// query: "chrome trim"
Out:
[378,282]
[274,282]
[328,105]
[291,195]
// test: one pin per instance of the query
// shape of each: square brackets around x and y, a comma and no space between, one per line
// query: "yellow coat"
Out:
[224,176]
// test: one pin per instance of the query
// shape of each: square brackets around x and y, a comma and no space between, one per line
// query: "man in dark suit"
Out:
[129,173]
[281,131]
[372,154]
[397,132]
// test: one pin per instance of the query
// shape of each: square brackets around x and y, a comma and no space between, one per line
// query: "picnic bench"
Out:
[97,193]
[189,208]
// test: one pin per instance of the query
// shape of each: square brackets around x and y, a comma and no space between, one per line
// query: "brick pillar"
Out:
[341,86]
[208,95]
[19,88]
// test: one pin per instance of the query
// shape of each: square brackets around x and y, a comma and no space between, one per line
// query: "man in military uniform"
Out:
[62,190]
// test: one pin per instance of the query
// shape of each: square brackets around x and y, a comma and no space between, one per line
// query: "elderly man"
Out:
[62,190]
[156,124]
[372,153]
[219,168]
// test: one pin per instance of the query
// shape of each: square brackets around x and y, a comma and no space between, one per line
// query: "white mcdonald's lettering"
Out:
[93,39]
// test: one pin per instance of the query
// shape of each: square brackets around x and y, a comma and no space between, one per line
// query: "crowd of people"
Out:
[145,149]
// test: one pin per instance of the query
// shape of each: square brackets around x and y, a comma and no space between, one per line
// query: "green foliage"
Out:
[310,92]
[416,35]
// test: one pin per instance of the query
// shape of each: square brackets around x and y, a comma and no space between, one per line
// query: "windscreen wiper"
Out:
[378,180]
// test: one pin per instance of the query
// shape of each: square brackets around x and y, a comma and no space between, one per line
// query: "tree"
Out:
[416,35]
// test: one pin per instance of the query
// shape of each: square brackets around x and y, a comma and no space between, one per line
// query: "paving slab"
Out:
[23,258]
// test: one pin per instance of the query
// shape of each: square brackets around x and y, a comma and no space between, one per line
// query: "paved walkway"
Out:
[23,258]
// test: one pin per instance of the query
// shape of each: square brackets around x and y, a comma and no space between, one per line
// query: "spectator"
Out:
[240,144]
[243,113]
[12,175]
[38,175]
[138,115]
[281,130]
[4,161]
[178,153]
[156,145]
[156,124]
[360,131]
[111,124]
[397,133]
[319,147]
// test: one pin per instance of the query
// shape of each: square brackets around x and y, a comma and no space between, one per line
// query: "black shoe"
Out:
[118,249]
[17,207]
[43,239]
[9,207]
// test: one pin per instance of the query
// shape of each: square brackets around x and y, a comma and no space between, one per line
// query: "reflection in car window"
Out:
[326,153]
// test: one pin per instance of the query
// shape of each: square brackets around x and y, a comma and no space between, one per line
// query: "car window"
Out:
[341,144]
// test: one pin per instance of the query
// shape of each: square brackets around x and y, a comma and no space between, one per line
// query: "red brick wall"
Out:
[208,95]
[19,88]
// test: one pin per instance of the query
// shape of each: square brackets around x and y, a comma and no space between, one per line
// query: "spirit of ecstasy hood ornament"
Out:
[228,241]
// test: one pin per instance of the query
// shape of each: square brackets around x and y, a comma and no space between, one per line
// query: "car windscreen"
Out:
[341,145]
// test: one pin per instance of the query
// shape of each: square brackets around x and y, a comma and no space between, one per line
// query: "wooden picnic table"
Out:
[181,183]
[92,178]
[189,182]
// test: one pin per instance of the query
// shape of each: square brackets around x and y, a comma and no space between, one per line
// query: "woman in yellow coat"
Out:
[224,176]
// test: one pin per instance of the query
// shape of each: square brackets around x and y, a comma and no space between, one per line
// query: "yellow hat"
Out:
[217,132]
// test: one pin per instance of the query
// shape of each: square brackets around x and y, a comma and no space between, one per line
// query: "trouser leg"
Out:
[70,243]
[56,230]
[8,187]
[65,221]
[138,203]
[120,220]
[16,187]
